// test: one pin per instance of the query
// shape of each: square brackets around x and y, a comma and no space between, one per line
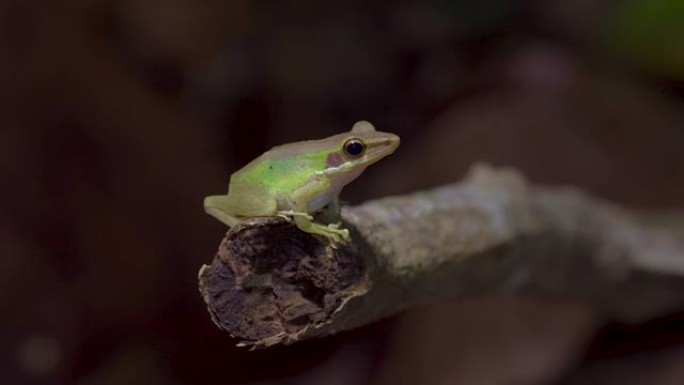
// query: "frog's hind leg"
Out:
[216,206]
[241,203]
[289,214]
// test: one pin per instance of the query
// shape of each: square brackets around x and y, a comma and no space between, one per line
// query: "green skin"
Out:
[298,179]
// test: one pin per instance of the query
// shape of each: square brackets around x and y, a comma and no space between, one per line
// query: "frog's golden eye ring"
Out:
[354,147]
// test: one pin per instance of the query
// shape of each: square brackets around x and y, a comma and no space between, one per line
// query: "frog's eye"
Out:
[354,147]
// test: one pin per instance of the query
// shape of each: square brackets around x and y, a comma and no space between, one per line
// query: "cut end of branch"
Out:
[270,282]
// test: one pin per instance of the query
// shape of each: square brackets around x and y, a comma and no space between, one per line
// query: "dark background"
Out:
[118,117]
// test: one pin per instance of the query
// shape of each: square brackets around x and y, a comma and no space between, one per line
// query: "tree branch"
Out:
[271,283]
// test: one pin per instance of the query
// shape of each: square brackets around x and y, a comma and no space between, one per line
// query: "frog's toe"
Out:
[338,235]
[331,236]
[345,235]
[334,238]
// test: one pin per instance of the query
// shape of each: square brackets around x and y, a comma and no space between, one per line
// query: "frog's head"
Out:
[358,149]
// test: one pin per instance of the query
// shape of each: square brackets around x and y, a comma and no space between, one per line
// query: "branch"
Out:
[271,283]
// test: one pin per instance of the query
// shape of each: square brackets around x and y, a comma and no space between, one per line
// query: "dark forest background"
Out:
[118,117]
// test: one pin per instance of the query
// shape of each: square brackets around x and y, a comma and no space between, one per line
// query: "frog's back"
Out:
[281,170]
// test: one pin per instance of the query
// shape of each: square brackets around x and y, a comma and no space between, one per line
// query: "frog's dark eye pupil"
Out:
[354,147]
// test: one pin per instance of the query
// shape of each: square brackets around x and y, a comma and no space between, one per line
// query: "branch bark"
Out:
[271,283]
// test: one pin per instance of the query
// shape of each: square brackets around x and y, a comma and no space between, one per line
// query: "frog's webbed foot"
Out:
[334,234]
[339,234]
[331,231]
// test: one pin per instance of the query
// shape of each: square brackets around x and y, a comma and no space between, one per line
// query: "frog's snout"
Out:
[393,142]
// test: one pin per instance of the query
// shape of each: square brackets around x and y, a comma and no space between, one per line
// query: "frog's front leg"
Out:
[331,214]
[329,231]
[300,202]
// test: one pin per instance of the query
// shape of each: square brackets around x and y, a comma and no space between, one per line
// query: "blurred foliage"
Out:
[650,33]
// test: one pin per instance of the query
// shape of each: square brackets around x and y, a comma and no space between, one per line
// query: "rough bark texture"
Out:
[271,283]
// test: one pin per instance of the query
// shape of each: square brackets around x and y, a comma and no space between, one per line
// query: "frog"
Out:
[299,179]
